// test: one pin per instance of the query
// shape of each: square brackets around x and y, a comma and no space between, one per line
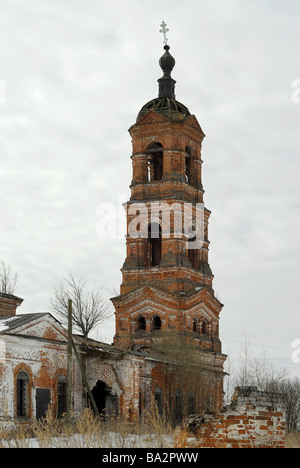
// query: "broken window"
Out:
[22,395]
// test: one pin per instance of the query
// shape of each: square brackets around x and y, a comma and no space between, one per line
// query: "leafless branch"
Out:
[8,279]
[89,305]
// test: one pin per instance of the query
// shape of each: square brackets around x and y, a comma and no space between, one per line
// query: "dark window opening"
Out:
[188,159]
[141,324]
[140,403]
[61,396]
[192,404]
[154,244]
[42,400]
[192,232]
[155,162]
[196,326]
[156,323]
[158,396]
[178,408]
[193,255]
[204,328]
[209,404]
[22,395]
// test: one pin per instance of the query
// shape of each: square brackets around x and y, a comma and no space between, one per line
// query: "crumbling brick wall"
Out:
[253,419]
[121,373]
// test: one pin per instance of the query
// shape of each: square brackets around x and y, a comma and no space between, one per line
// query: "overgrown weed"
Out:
[88,431]
[293,440]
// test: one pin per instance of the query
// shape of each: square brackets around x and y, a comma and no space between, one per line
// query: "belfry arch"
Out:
[155,161]
[154,244]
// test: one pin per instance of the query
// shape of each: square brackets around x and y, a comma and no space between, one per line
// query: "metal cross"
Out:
[164,30]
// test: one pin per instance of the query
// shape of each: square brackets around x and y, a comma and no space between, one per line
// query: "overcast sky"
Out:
[73,77]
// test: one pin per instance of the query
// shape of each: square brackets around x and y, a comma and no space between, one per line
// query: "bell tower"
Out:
[166,276]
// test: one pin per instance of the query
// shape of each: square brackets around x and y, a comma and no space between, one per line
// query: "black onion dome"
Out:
[167,62]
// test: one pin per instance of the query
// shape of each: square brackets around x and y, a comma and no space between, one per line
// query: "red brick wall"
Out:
[253,420]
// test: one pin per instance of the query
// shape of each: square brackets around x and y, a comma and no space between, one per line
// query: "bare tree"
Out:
[290,389]
[264,375]
[89,305]
[8,279]
[257,370]
[244,377]
[229,380]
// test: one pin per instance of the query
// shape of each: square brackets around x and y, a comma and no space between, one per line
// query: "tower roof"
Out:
[166,103]
[166,106]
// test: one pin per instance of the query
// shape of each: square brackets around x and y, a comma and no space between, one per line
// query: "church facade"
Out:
[166,346]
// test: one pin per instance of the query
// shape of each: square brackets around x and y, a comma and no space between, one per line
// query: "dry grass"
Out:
[293,440]
[87,431]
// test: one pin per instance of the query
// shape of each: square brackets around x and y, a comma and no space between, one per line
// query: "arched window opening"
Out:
[141,324]
[61,396]
[140,403]
[196,326]
[204,328]
[155,162]
[192,248]
[156,323]
[192,404]
[178,407]
[22,395]
[158,397]
[209,404]
[188,158]
[193,254]
[154,244]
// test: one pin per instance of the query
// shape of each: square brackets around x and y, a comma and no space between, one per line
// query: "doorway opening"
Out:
[106,402]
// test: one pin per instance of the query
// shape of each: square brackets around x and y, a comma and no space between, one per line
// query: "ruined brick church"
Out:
[166,299]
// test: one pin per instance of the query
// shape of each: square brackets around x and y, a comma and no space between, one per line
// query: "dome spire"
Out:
[167,63]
